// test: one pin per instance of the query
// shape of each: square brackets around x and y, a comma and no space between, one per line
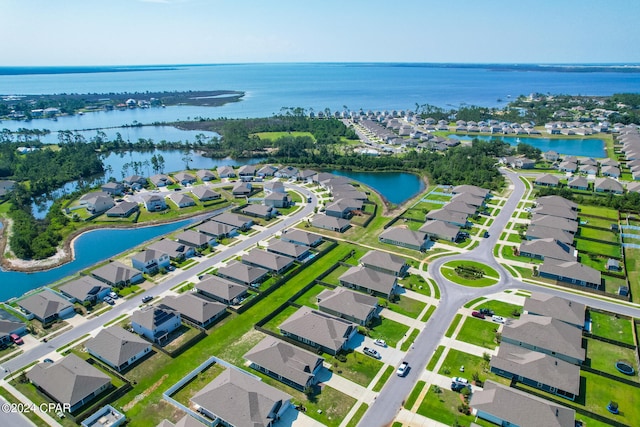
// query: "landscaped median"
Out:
[470,273]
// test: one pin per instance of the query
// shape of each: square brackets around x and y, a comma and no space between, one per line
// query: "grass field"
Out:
[358,368]
[612,327]
[603,356]
[453,325]
[434,359]
[501,308]
[490,275]
[594,233]
[478,332]
[388,330]
[407,306]
[272,136]
[472,364]
[442,405]
[605,249]
[632,266]
[413,396]
[599,211]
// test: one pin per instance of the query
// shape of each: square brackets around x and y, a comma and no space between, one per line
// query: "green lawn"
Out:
[449,273]
[428,314]
[612,327]
[310,297]
[453,325]
[479,332]
[599,211]
[203,378]
[443,407]
[389,370]
[272,136]
[603,356]
[410,339]
[632,266]
[353,422]
[473,301]
[414,282]
[388,330]
[359,368]
[411,400]
[407,306]
[501,308]
[273,324]
[594,233]
[435,358]
[472,364]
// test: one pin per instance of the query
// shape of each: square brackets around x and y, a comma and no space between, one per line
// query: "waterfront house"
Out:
[404,237]
[221,290]
[155,323]
[99,203]
[267,170]
[285,362]
[565,310]
[571,272]
[70,380]
[176,251]
[117,347]
[161,180]
[149,261]
[195,239]
[113,188]
[135,182]
[46,306]
[551,156]
[330,223]
[306,175]
[243,273]
[184,178]
[350,305]
[286,172]
[319,330]
[194,308]
[385,262]
[506,406]
[236,399]
[226,172]
[217,230]
[85,289]
[117,275]
[205,175]
[371,281]
[123,210]
[205,194]
[181,200]
[154,202]
[299,237]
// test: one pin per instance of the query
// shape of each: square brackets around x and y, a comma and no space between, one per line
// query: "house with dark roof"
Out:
[150,261]
[278,200]
[556,222]
[70,380]
[547,180]
[506,406]
[542,232]
[135,181]
[330,223]
[271,261]
[566,166]
[113,188]
[195,239]
[318,330]
[8,327]
[222,290]
[578,183]
[194,308]
[182,200]
[99,203]
[217,230]
[565,310]
[546,335]
[607,185]
[240,222]
[385,262]
[297,252]
[571,272]
[343,208]
[371,281]
[548,248]
[274,187]
[404,237]
[353,306]
[155,323]
[266,170]
[117,275]
[123,210]
[286,172]
[184,178]
[241,188]
[300,237]
[556,201]
[161,180]
[537,370]
[117,347]
[454,218]
[243,273]
[176,251]
[440,230]
[226,172]
[260,211]
[46,306]
[472,189]
[554,211]
[205,175]
[287,363]
[236,399]
[470,199]
[460,207]
[85,289]
[205,194]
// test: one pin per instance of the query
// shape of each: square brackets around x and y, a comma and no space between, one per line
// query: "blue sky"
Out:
[114,32]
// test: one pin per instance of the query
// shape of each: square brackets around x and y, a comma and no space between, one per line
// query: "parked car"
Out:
[487,311]
[498,319]
[371,352]
[109,300]
[459,380]
[48,361]
[486,234]
[147,298]
[113,295]
[478,315]
[403,369]
[380,342]
[457,387]
[17,339]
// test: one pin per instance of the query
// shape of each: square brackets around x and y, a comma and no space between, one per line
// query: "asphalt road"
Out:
[453,296]
[126,305]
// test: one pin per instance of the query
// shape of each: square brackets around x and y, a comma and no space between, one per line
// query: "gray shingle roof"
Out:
[68,380]
[320,328]
[555,222]
[281,358]
[447,216]
[285,248]
[202,192]
[268,260]
[326,221]
[242,273]
[559,308]
[194,307]
[440,228]
[542,232]
[220,287]
[240,399]
[115,272]
[369,279]
[384,260]
[404,235]
[548,248]
[233,220]
[300,236]
[151,317]
[83,287]
[215,228]
[475,190]
[193,238]
[116,345]
[557,201]
[555,211]
[520,408]
[571,269]
[347,302]
[44,304]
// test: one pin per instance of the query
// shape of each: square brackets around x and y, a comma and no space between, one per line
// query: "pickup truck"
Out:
[402,369]
[371,352]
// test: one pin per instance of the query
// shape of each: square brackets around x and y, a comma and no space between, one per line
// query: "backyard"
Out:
[611,326]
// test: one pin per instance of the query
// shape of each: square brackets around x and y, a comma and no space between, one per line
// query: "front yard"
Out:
[479,332]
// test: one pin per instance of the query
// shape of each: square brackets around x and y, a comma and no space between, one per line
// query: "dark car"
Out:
[457,387]
[147,298]
[487,311]
[371,352]
[486,234]
[478,315]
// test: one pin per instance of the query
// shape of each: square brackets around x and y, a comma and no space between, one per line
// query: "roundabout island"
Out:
[470,273]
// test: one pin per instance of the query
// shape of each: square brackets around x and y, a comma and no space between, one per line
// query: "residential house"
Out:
[247,172]
[194,308]
[319,330]
[286,172]
[259,211]
[85,289]
[566,166]
[266,170]
[555,222]
[469,199]
[472,189]
[578,183]
[113,188]
[123,210]
[221,290]
[274,187]
[275,263]
[330,223]
[135,182]
[155,323]
[546,335]
[242,273]
[453,218]
[543,232]
[195,239]
[241,188]
[176,251]
[226,172]
[343,208]
[10,325]
[149,261]
[353,306]
[238,221]
[506,406]
[613,265]
[46,306]
[117,347]
[571,272]
[297,252]
[371,281]
[547,180]
[205,175]
[565,310]
[436,229]
[551,156]
[217,230]
[6,187]
[404,237]
[589,169]
[236,399]
[181,200]
[205,194]
[99,203]
[537,370]
[548,248]
[184,178]
[299,237]
[607,185]
[611,171]
[117,275]
[556,201]
[306,175]
[161,180]
[554,211]
[285,362]
[385,262]
[278,200]
[154,202]
[70,380]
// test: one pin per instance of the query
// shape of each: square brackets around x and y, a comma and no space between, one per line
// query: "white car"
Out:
[402,369]
[459,380]
[380,342]
[498,319]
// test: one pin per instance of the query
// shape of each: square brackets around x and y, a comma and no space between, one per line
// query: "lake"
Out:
[587,147]
[396,187]
[134,133]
